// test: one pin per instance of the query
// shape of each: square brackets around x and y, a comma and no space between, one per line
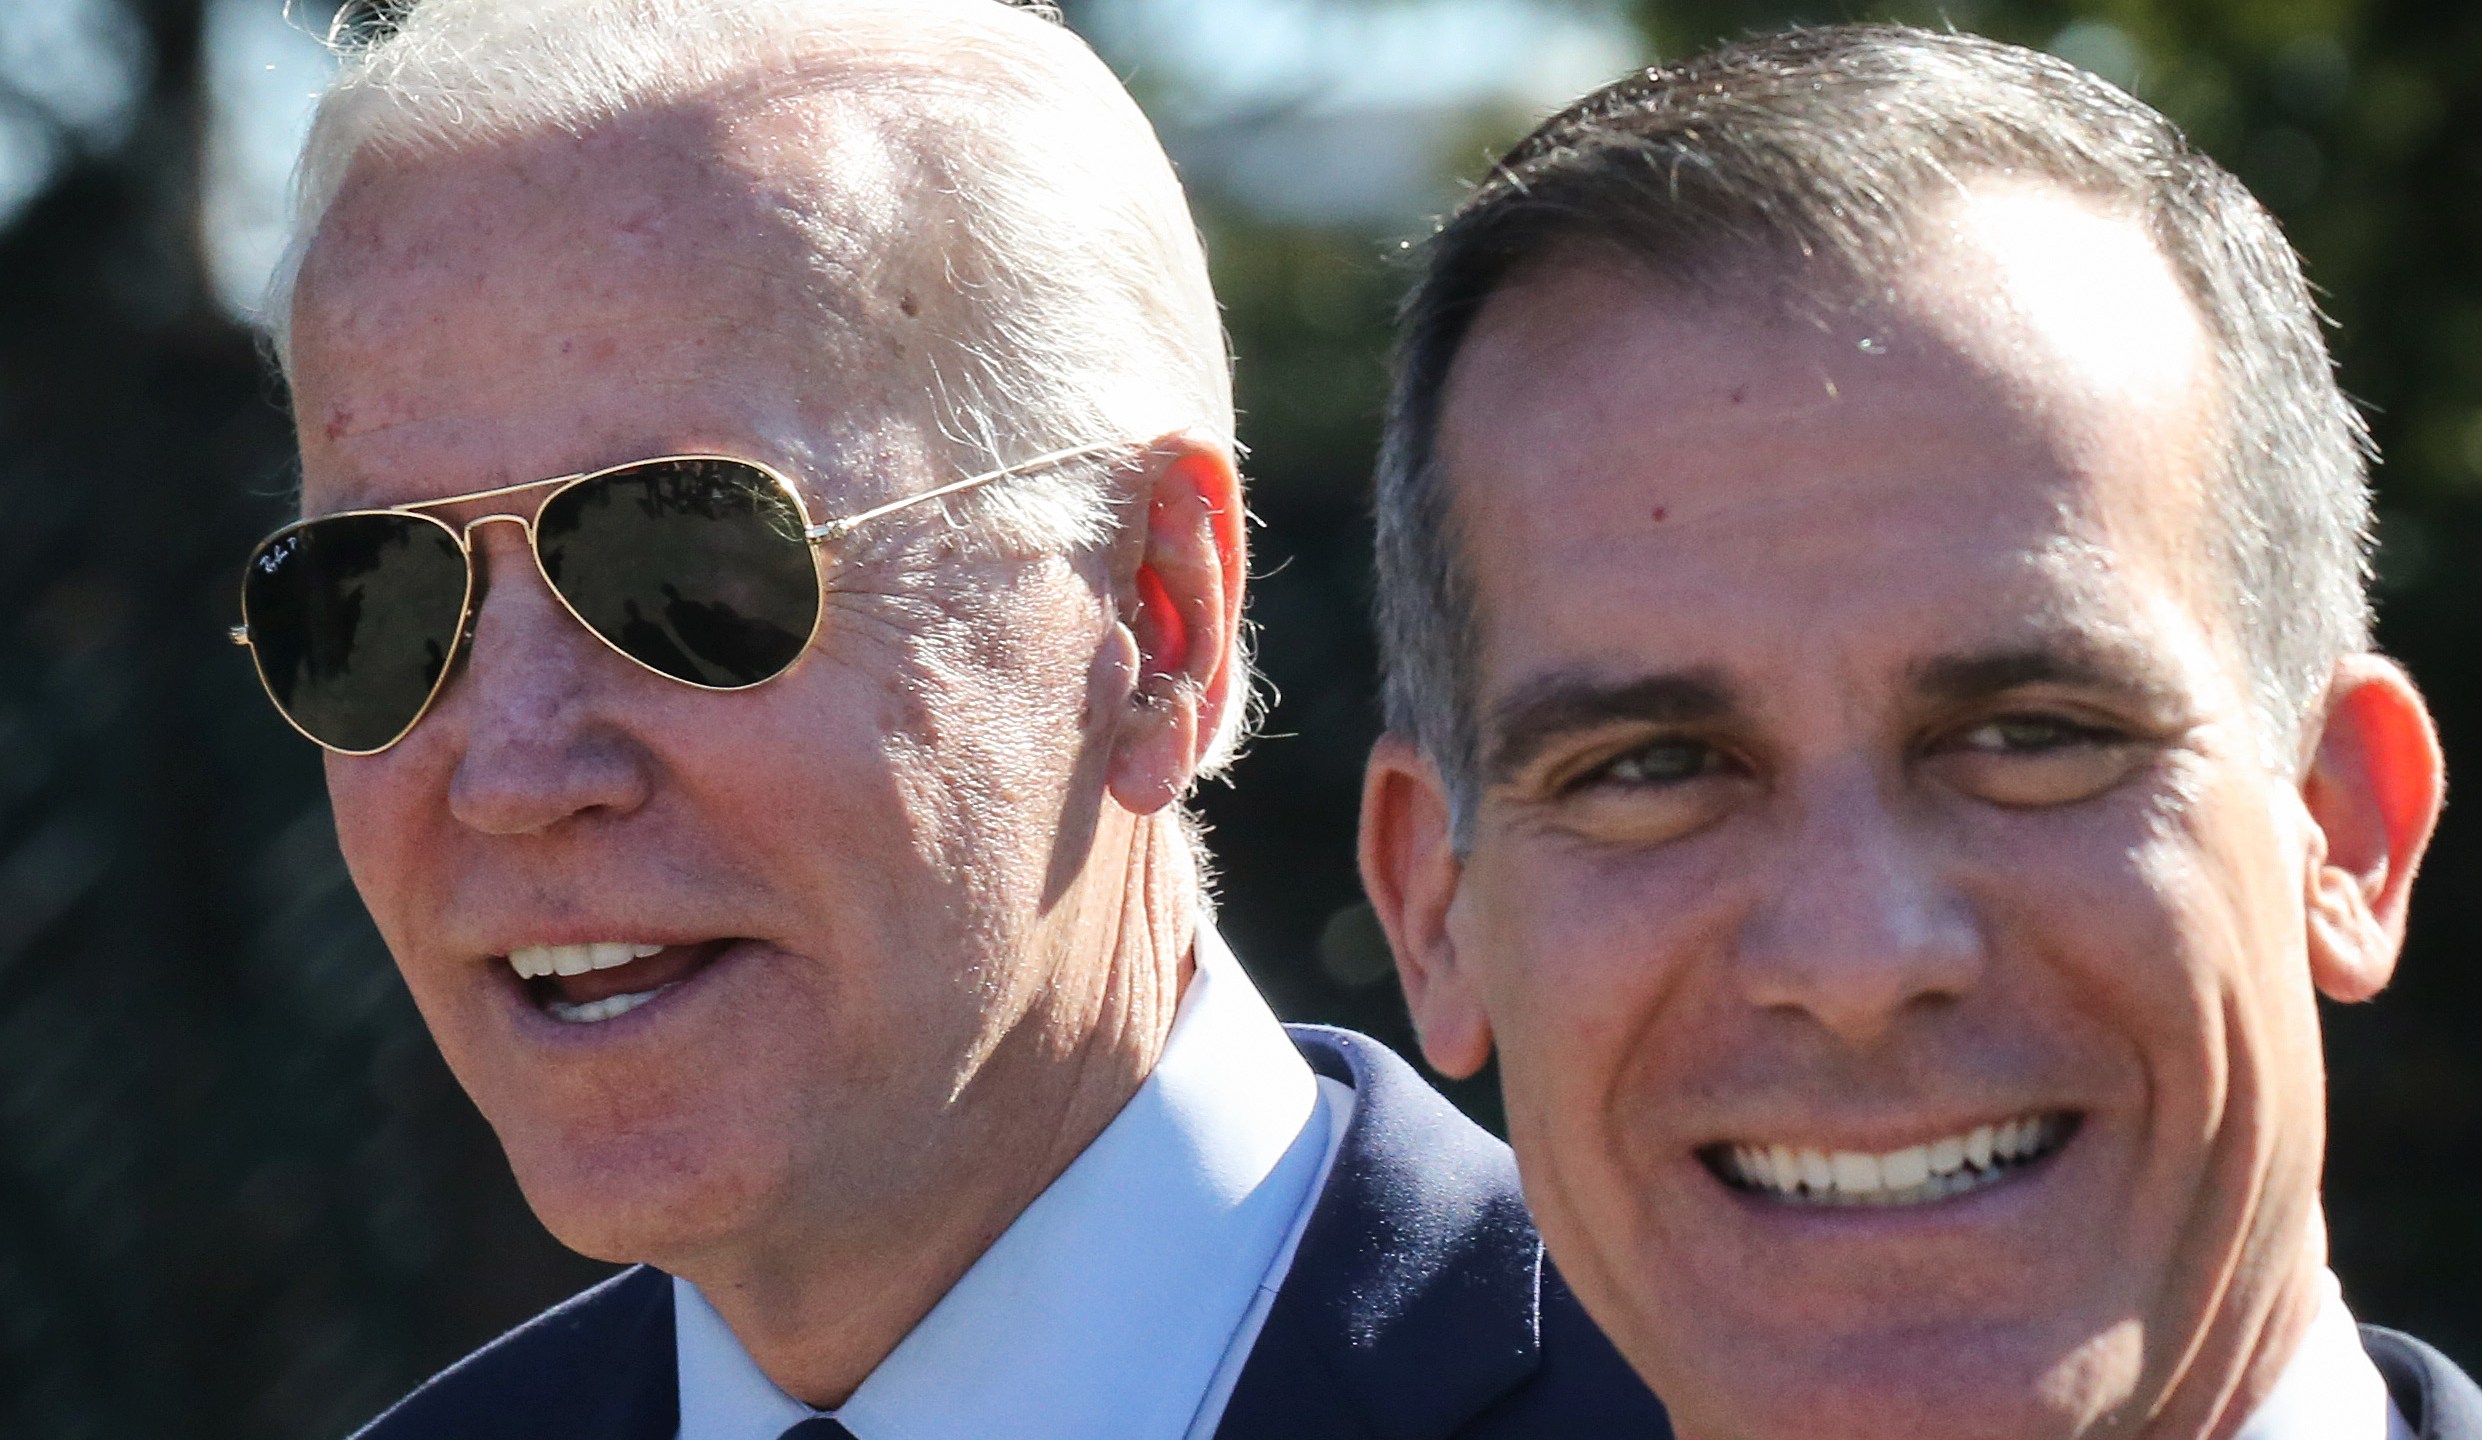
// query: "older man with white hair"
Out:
[771,572]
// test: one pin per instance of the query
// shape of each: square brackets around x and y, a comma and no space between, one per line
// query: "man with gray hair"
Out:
[1885,746]
[771,575]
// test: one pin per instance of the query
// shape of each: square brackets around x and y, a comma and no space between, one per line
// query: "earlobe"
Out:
[1411,872]
[2372,793]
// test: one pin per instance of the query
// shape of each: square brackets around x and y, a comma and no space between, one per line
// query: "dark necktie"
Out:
[818,1427]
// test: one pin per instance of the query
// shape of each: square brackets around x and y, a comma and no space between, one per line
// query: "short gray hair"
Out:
[1824,146]
[1090,315]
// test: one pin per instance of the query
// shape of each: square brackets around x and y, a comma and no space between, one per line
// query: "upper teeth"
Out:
[1909,1176]
[533,962]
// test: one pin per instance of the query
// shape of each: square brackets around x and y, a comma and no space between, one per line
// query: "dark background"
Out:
[240,1195]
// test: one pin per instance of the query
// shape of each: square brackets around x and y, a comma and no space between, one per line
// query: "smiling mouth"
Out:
[1977,1159]
[606,979]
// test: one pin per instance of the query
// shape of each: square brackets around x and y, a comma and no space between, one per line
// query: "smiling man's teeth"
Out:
[593,1012]
[1911,1176]
[533,962]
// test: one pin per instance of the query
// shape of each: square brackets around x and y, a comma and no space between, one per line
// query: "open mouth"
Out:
[1977,1159]
[606,979]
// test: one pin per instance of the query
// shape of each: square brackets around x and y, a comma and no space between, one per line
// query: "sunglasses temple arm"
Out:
[833,530]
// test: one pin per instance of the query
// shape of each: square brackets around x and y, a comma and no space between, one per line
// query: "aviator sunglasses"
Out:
[697,567]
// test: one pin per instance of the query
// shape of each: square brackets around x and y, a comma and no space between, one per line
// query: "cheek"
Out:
[382,806]
[2238,927]
[2230,1049]
[1009,730]
[1596,971]
[2167,950]
[986,770]
[2140,916]
[1587,960]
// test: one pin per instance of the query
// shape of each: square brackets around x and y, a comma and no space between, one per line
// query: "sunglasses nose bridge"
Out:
[474,551]
[521,522]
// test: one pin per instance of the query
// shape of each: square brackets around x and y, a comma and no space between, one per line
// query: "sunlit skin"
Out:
[958,904]
[1867,756]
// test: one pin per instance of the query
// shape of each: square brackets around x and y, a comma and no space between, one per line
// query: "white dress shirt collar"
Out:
[1110,1307]
[2330,1389]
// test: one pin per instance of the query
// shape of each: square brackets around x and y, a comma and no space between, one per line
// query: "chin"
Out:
[1940,1384]
[640,1199]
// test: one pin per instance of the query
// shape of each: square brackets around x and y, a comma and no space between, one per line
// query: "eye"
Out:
[2035,760]
[1656,792]
[2026,734]
[1665,762]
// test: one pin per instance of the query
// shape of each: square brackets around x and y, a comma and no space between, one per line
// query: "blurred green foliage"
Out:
[239,1195]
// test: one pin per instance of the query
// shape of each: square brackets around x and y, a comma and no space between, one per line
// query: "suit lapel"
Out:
[1413,1300]
[2441,1400]
[632,1372]
[599,1367]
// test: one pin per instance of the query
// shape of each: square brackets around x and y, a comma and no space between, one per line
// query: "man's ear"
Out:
[2373,792]
[1177,583]
[1411,871]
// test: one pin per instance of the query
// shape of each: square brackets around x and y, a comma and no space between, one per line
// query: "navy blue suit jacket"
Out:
[1418,1307]
[2440,1400]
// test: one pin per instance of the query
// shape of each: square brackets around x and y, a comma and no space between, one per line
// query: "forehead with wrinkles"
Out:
[664,245]
[797,206]
[826,122]
[2050,329]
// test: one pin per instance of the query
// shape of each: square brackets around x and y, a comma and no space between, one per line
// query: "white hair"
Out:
[1086,312]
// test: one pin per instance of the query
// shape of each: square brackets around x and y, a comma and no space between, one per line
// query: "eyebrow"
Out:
[2076,659]
[1548,709]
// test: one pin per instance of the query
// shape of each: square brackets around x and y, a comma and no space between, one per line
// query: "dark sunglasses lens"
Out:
[352,620]
[695,568]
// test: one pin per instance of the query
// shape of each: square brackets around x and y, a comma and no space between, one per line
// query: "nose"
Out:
[1859,927]
[533,709]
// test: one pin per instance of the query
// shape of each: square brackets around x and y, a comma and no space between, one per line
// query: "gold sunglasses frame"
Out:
[816,536]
